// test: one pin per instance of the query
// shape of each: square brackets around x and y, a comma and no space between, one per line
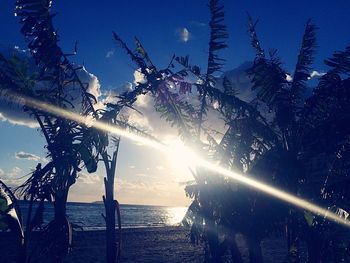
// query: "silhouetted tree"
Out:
[66,146]
[267,137]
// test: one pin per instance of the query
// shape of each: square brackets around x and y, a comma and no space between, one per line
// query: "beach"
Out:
[148,244]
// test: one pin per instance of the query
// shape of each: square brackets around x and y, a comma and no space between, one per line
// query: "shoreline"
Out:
[142,244]
[148,244]
[92,229]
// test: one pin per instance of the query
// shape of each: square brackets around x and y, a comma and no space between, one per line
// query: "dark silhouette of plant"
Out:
[10,215]
[69,143]
[292,116]
[267,137]
[112,115]
[66,144]
[176,110]
[279,137]
[218,35]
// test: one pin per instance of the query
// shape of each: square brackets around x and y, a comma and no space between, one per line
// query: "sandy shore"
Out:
[161,244]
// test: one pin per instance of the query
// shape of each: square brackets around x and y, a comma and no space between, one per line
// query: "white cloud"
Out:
[239,81]
[15,171]
[198,24]
[12,178]
[136,190]
[139,77]
[110,53]
[149,120]
[141,191]
[12,111]
[90,179]
[289,78]
[143,101]
[27,156]
[215,104]
[183,34]
[313,74]
[88,188]
[316,73]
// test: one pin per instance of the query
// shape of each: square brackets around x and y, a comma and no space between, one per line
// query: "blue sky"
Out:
[160,26]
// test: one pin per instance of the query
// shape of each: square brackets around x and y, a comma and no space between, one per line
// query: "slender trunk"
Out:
[293,237]
[22,255]
[28,230]
[110,207]
[60,206]
[59,230]
[213,241]
[314,255]
[254,248]
[235,253]
[314,246]
[119,229]
[110,224]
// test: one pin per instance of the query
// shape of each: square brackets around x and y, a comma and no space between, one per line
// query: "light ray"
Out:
[191,159]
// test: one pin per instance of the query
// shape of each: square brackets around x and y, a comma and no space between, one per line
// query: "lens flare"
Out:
[191,159]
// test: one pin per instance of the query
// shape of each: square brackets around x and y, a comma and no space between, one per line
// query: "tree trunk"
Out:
[60,206]
[235,253]
[293,243]
[28,231]
[110,207]
[213,241]
[59,230]
[110,224]
[59,227]
[314,246]
[254,248]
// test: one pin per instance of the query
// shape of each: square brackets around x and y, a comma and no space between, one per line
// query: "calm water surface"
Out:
[88,215]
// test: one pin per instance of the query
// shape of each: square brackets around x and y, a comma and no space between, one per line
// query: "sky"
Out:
[145,176]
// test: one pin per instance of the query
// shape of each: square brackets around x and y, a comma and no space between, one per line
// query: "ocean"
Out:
[88,215]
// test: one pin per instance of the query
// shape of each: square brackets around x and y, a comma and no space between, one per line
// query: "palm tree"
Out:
[69,143]
[268,138]
[180,113]
[66,145]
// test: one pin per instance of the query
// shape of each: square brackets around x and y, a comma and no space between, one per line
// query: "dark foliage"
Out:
[69,144]
[268,138]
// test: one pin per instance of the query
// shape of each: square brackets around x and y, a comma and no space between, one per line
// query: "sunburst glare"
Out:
[189,158]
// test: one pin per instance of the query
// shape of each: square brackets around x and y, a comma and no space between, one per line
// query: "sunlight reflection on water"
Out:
[175,215]
[89,216]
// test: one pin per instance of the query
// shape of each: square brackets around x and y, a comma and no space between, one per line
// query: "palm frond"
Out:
[176,111]
[42,39]
[305,59]
[184,61]
[142,52]
[268,79]
[218,36]
[217,42]
[38,184]
[340,62]
[260,53]
[135,56]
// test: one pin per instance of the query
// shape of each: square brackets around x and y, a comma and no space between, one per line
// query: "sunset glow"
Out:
[189,158]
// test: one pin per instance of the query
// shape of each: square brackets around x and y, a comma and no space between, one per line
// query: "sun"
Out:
[181,160]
